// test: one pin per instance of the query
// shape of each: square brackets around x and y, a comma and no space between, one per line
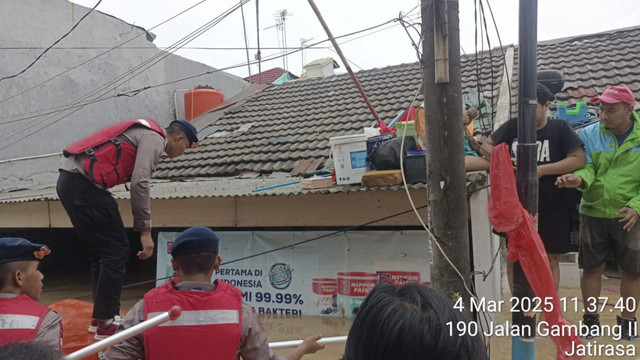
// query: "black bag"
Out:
[387,155]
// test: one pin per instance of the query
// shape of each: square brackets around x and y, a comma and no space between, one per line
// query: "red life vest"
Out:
[20,319]
[209,327]
[110,161]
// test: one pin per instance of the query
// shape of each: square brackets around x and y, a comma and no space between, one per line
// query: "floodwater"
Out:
[281,328]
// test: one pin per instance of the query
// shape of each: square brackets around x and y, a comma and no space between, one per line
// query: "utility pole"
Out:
[446,184]
[524,347]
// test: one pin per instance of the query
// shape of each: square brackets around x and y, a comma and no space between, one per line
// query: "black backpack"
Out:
[387,155]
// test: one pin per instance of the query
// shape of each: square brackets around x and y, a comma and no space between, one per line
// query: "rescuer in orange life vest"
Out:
[214,323]
[22,317]
[127,151]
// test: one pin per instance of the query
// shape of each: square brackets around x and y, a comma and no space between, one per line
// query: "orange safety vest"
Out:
[109,161]
[209,327]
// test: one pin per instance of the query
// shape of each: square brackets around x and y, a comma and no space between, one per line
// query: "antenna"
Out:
[281,18]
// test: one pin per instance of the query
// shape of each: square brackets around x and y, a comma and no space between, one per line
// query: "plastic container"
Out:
[575,115]
[398,278]
[199,101]
[373,143]
[353,287]
[411,129]
[326,293]
[415,167]
[349,155]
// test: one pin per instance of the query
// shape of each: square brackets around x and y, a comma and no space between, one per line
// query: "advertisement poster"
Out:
[329,276]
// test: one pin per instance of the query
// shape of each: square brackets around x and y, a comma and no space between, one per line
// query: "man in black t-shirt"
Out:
[559,152]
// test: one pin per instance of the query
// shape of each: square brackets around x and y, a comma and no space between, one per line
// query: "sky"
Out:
[383,46]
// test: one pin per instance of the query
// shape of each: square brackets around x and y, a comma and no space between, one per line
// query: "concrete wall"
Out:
[38,23]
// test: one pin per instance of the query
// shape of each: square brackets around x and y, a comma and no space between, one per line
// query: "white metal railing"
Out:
[121,336]
[172,314]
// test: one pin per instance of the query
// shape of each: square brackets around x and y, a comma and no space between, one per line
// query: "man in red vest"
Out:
[214,323]
[127,151]
[22,317]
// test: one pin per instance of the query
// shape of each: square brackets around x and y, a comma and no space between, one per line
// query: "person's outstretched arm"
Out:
[309,346]
[255,346]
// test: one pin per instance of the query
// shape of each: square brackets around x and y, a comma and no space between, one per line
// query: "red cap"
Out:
[615,94]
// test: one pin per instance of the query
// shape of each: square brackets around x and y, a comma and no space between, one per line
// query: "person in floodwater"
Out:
[409,323]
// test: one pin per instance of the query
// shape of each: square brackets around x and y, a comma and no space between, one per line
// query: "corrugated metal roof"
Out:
[205,188]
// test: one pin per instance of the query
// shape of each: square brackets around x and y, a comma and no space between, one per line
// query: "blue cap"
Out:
[197,239]
[18,249]
[188,128]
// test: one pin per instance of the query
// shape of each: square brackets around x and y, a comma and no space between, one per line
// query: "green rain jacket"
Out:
[611,176]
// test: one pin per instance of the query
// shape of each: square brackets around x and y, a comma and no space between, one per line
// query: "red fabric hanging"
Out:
[507,215]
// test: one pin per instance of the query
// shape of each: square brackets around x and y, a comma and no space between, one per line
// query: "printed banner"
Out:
[329,276]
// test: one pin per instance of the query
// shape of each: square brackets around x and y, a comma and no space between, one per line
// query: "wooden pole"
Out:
[446,184]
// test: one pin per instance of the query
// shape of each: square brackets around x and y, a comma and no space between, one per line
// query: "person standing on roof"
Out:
[127,151]
[610,186]
[22,317]
[215,323]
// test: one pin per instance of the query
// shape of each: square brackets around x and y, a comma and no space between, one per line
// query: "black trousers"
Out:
[94,214]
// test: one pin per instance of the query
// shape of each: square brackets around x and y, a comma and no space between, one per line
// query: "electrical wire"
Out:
[416,47]
[486,32]
[246,42]
[22,117]
[258,54]
[170,82]
[504,57]
[52,45]
[478,79]
[103,53]
[149,47]
[106,88]
[350,62]
[432,236]
[134,92]
[340,231]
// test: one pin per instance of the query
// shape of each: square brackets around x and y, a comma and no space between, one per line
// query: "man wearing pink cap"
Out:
[610,186]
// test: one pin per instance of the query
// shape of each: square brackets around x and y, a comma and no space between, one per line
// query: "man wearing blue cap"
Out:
[22,317]
[214,320]
[127,151]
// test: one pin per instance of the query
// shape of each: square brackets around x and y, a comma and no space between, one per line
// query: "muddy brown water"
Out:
[281,328]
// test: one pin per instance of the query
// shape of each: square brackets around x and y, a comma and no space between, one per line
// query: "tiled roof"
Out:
[267,76]
[294,121]
[284,124]
[590,64]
